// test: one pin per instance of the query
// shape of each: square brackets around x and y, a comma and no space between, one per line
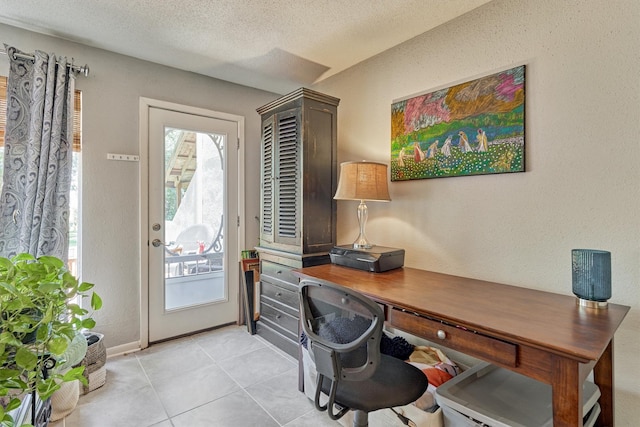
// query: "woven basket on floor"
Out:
[96,380]
[96,352]
[95,370]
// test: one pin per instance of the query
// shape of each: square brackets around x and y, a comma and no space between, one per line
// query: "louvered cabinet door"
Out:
[267,180]
[287,178]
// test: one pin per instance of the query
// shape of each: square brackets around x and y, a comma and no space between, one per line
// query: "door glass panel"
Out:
[193,206]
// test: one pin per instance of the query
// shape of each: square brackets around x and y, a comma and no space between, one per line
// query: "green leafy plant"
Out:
[39,318]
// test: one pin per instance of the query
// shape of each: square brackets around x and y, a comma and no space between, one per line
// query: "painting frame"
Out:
[476,127]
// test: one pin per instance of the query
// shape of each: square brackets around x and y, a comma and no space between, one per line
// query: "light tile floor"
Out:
[224,377]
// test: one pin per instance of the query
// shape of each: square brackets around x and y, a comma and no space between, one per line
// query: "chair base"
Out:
[360,419]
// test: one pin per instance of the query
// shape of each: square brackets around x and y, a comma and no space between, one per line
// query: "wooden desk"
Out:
[542,335]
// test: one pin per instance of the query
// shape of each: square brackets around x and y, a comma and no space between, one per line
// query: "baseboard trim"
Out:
[123,349]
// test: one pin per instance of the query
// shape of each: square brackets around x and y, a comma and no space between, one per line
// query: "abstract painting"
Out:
[473,128]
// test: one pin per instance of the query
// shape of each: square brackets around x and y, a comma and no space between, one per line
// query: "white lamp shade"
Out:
[363,181]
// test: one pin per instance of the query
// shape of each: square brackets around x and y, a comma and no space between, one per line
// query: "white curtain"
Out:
[34,203]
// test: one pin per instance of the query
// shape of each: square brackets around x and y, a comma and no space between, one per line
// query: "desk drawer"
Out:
[468,342]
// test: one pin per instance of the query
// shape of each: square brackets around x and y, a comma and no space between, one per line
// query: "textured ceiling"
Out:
[274,45]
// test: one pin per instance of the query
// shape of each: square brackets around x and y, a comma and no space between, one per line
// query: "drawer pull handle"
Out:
[278,294]
[278,316]
[279,272]
[441,334]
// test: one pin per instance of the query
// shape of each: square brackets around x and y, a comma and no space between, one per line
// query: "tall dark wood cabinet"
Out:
[297,210]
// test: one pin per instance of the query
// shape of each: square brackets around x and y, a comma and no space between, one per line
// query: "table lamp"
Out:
[364,181]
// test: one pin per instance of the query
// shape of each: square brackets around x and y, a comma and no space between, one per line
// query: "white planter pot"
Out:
[64,400]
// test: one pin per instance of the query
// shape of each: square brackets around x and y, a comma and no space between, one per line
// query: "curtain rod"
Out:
[84,69]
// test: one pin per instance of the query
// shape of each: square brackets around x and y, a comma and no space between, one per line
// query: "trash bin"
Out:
[487,395]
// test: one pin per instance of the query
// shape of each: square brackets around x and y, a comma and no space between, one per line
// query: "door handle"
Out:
[157,242]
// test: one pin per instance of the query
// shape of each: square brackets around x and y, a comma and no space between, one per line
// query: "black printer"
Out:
[376,259]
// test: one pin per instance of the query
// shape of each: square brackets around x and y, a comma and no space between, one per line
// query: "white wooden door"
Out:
[193,223]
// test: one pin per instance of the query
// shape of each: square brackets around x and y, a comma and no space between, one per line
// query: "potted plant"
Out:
[39,318]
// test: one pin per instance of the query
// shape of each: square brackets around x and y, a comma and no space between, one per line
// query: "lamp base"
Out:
[591,304]
[362,244]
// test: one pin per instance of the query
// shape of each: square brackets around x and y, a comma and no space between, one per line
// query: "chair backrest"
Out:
[344,329]
[190,237]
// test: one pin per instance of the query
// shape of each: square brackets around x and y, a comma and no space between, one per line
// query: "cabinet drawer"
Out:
[455,338]
[274,336]
[285,299]
[279,317]
[280,274]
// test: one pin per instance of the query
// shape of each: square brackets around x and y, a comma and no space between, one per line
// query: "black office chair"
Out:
[343,330]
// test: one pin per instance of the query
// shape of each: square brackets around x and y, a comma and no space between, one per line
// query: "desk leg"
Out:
[603,376]
[567,393]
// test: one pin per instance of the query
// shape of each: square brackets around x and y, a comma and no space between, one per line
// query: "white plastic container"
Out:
[486,395]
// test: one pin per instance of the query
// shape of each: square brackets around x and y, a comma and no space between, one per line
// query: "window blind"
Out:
[77,116]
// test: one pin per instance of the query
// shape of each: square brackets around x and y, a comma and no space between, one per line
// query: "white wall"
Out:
[581,185]
[110,190]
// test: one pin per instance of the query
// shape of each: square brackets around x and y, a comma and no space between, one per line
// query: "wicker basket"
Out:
[64,400]
[95,370]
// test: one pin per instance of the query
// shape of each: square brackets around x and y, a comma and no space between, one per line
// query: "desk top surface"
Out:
[547,320]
